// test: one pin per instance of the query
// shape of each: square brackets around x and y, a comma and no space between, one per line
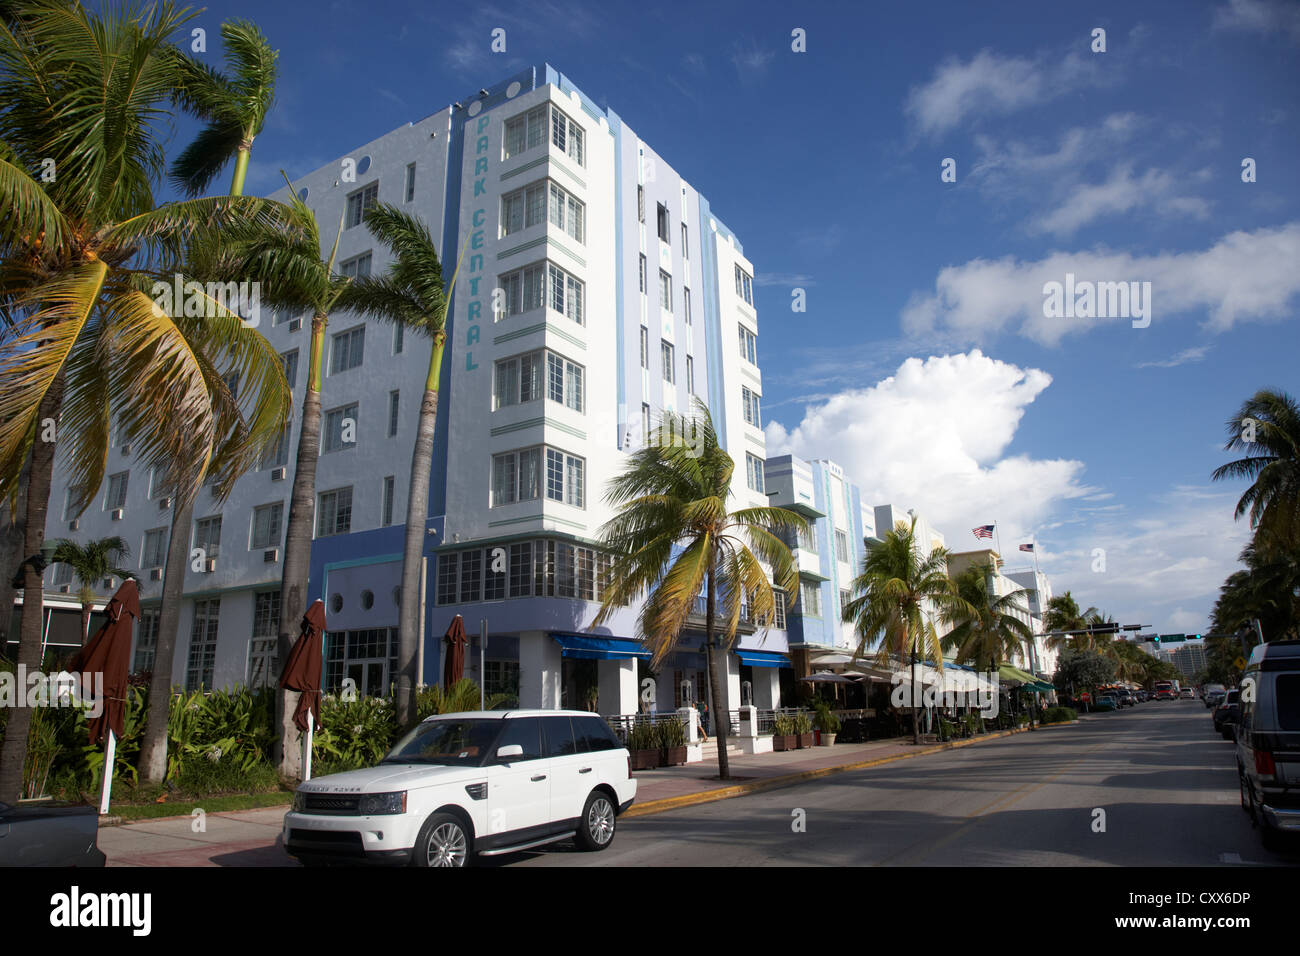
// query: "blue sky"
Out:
[924,363]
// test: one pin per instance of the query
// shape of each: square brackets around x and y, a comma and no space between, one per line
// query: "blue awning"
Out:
[763,659]
[587,648]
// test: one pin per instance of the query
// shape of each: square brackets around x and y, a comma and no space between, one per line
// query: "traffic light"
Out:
[1156,638]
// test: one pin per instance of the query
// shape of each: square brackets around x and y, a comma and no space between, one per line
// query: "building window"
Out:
[662,220]
[523,208]
[812,600]
[748,346]
[448,565]
[690,374]
[567,213]
[278,455]
[841,546]
[567,136]
[501,677]
[518,380]
[523,290]
[665,291]
[290,362]
[471,574]
[754,472]
[360,202]
[358,267]
[157,485]
[686,249]
[203,645]
[525,132]
[521,569]
[389,487]
[154,552]
[564,478]
[564,381]
[266,525]
[779,599]
[116,491]
[146,643]
[749,401]
[642,275]
[645,422]
[410,181]
[566,293]
[744,285]
[399,338]
[207,536]
[334,516]
[666,353]
[262,659]
[516,476]
[640,203]
[62,574]
[340,429]
[394,407]
[686,305]
[349,350]
[844,599]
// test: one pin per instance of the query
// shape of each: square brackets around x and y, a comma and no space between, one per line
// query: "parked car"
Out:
[1187,694]
[1106,702]
[1214,694]
[1126,698]
[1268,740]
[49,835]
[479,783]
[1225,715]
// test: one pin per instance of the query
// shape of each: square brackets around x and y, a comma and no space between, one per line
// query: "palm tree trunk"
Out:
[417,509]
[13,753]
[153,748]
[241,166]
[916,717]
[721,724]
[12,537]
[297,545]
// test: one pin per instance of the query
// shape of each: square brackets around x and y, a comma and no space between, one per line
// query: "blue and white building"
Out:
[597,287]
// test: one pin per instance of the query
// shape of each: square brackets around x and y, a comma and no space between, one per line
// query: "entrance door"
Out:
[371,676]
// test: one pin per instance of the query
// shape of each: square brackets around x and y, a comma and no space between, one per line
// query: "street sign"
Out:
[1172,638]
[1239,663]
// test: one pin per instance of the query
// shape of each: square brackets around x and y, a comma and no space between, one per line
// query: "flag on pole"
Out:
[1026,547]
[983,531]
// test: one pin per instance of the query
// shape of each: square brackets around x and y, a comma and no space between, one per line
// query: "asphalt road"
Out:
[1165,784]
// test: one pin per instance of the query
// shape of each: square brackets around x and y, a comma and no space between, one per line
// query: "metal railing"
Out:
[622,724]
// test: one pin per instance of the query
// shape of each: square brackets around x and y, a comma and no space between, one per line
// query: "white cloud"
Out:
[1121,193]
[1194,354]
[934,436]
[1243,276]
[990,83]
[1260,16]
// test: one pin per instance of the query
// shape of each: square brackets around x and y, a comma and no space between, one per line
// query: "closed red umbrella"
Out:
[453,668]
[108,654]
[302,671]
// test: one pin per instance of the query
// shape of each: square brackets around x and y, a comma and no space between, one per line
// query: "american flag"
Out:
[1026,547]
[983,531]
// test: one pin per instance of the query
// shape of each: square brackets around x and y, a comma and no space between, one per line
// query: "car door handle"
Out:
[585,770]
[540,776]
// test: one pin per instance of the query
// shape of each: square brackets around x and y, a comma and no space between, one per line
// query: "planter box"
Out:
[644,759]
[674,756]
[827,740]
[784,742]
[805,740]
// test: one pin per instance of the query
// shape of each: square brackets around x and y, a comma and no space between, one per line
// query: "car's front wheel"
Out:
[598,823]
[443,841]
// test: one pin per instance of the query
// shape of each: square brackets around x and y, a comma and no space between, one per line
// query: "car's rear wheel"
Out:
[1245,792]
[443,841]
[598,823]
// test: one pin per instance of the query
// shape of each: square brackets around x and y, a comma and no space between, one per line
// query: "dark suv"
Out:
[1268,740]
[1225,715]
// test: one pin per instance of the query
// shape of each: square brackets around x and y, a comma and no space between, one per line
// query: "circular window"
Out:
[367,600]
[475,108]
[513,90]
[336,603]
[363,164]
[302,194]
[397,595]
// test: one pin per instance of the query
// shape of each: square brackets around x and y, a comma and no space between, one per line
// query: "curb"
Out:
[112,820]
[741,789]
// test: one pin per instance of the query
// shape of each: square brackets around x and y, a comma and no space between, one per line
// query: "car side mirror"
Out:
[510,750]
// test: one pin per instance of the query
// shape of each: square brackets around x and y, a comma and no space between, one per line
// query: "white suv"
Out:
[478,783]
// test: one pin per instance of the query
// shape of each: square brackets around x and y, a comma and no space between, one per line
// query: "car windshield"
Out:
[459,743]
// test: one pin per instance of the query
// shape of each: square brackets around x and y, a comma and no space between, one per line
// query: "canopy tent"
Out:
[826,677]
[588,648]
[762,658]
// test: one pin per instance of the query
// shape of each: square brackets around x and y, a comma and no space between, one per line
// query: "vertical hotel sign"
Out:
[478,221]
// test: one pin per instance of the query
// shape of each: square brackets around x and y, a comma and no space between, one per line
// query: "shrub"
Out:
[643,736]
[203,776]
[825,721]
[802,724]
[671,733]
[1059,715]
[783,725]
[354,733]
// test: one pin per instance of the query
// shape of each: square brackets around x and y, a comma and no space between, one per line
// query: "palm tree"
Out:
[79,250]
[673,538]
[989,631]
[91,563]
[1267,429]
[1063,614]
[898,592]
[411,294]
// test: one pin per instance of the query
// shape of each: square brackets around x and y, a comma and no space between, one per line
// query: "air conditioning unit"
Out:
[65,588]
[164,503]
[74,524]
[155,574]
[278,474]
[117,514]
[210,564]
[295,325]
[271,555]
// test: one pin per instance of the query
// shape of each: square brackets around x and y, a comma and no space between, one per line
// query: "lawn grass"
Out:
[186,807]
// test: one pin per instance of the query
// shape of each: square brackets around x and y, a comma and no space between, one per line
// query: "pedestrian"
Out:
[703,710]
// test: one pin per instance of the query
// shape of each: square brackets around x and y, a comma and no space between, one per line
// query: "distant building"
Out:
[1190,659]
